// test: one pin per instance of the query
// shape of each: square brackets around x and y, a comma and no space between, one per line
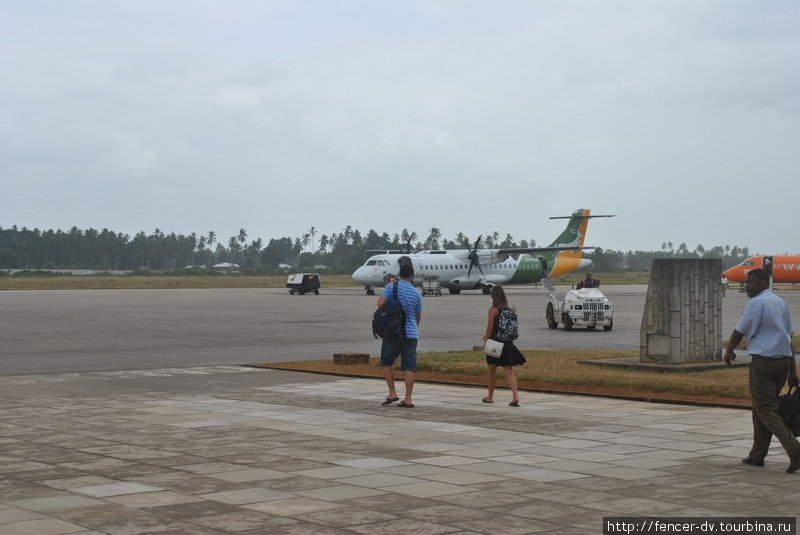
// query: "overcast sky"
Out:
[472,116]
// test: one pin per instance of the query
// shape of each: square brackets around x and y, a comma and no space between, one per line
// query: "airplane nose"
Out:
[358,275]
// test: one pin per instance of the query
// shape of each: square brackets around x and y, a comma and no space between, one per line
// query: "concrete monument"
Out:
[682,320]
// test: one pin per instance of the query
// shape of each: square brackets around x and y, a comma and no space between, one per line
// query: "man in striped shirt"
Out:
[403,345]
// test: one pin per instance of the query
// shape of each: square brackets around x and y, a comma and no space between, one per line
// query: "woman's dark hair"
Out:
[498,297]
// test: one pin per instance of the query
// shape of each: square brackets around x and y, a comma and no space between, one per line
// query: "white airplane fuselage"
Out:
[472,269]
[453,271]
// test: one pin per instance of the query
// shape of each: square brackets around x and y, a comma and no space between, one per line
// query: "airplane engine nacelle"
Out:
[461,254]
[487,256]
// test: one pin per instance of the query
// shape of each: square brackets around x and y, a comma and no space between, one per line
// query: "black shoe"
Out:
[754,462]
[794,462]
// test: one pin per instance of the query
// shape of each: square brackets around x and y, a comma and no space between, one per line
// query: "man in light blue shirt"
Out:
[767,324]
[404,344]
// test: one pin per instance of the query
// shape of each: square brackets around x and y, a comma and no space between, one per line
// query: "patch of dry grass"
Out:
[559,370]
[157,282]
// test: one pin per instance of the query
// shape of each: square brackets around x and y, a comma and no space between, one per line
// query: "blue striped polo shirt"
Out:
[412,304]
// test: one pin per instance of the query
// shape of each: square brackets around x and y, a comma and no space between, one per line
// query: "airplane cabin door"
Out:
[767,263]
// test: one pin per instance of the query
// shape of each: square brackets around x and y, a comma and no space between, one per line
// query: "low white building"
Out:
[226,267]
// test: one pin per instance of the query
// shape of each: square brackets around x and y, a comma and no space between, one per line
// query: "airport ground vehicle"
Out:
[431,285]
[580,308]
[303,282]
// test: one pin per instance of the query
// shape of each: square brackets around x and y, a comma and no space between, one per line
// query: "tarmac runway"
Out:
[106,330]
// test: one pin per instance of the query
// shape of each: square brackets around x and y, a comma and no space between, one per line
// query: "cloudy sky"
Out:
[472,116]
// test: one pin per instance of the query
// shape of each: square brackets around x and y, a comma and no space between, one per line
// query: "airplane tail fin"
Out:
[574,234]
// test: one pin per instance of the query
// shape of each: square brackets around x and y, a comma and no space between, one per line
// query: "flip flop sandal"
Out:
[514,404]
[487,400]
[406,405]
[389,401]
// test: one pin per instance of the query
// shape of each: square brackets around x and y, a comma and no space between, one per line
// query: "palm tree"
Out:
[212,238]
[297,249]
[242,236]
[433,238]
[412,237]
[306,240]
[313,232]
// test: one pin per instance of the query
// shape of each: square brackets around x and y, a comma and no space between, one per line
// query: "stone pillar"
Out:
[682,321]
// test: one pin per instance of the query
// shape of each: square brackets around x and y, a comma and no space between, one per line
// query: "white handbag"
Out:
[493,348]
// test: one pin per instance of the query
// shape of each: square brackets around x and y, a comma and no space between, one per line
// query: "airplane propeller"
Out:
[473,256]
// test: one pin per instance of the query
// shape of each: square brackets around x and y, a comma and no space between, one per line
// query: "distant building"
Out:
[284,266]
[226,267]
[321,267]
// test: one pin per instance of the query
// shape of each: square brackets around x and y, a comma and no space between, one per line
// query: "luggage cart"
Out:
[431,285]
[303,282]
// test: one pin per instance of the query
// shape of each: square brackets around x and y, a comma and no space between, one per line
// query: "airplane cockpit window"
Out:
[371,262]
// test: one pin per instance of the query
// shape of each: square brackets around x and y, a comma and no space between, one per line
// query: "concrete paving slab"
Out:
[47,526]
[111,453]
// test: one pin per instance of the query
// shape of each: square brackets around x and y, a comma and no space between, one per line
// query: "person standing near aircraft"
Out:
[588,282]
[767,324]
[510,357]
[403,346]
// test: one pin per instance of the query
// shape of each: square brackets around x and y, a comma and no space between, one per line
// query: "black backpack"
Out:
[789,410]
[390,317]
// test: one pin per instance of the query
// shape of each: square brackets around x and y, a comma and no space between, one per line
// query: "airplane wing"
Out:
[389,251]
[520,250]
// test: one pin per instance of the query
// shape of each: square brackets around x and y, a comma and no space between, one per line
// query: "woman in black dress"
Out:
[510,357]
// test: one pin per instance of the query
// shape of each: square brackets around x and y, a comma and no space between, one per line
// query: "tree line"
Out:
[23,248]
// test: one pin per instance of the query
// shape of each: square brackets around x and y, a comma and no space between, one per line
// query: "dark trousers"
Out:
[767,377]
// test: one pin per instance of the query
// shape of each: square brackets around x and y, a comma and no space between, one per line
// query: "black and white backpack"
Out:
[507,326]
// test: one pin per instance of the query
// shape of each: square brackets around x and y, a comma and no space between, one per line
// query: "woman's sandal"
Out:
[487,400]
[514,404]
[389,401]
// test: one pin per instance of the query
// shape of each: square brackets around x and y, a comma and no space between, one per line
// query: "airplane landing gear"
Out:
[454,291]
[370,290]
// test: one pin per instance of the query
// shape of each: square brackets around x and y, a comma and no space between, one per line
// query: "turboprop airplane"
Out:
[782,268]
[480,269]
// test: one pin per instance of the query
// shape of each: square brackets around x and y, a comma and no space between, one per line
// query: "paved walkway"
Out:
[231,450]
